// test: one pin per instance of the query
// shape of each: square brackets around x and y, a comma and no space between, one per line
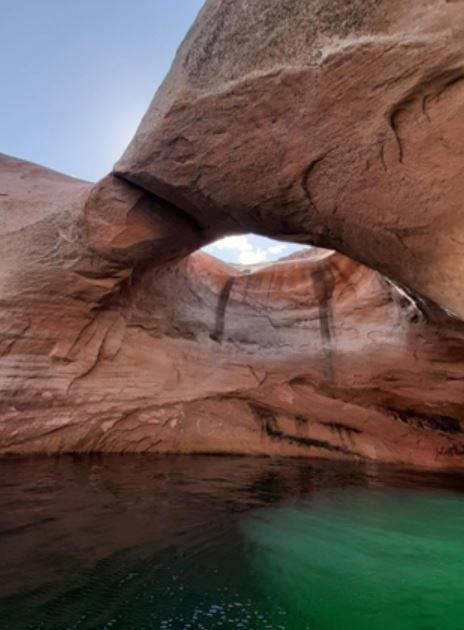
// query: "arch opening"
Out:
[246,250]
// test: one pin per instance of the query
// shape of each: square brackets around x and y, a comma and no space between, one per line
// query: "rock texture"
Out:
[337,123]
[333,123]
[103,351]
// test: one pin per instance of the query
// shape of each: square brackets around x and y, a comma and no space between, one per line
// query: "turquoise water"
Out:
[206,542]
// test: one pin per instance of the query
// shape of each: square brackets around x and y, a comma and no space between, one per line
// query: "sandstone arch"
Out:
[335,123]
[344,132]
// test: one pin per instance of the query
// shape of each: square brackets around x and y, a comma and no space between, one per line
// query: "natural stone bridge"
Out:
[337,124]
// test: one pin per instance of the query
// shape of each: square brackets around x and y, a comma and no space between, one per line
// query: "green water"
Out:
[205,542]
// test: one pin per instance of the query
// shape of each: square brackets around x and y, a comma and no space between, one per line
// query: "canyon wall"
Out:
[336,124]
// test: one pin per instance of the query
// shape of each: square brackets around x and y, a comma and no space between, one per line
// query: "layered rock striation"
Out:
[336,123]
[331,123]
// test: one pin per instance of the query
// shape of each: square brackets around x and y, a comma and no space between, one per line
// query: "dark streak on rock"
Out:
[301,421]
[270,427]
[323,288]
[218,333]
[445,424]
[456,450]
[338,426]
[343,431]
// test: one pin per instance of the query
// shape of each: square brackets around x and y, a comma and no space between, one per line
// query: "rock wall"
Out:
[336,123]
[331,123]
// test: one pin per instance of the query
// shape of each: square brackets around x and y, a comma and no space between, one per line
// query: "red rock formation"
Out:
[334,123]
[331,124]
[317,356]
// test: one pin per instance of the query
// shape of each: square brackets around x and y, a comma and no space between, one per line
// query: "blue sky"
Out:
[77,76]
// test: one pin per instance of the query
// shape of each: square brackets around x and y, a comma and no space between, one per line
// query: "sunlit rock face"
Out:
[334,123]
[108,344]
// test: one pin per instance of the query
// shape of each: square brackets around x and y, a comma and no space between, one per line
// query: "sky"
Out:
[77,76]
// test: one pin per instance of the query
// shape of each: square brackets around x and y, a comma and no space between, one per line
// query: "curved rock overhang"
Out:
[110,343]
[337,124]
[115,336]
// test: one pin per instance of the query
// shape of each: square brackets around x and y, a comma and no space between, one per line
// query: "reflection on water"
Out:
[206,542]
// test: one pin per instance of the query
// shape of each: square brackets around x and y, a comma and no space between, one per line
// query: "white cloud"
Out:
[253,256]
[235,243]
[241,249]
[277,249]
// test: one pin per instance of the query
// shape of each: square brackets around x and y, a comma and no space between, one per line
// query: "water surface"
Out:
[211,542]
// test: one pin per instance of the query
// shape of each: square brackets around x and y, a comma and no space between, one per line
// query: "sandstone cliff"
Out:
[331,123]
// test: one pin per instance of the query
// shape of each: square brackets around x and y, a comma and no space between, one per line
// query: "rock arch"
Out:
[344,133]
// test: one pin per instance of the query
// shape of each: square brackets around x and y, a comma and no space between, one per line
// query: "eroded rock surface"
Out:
[106,345]
[334,123]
